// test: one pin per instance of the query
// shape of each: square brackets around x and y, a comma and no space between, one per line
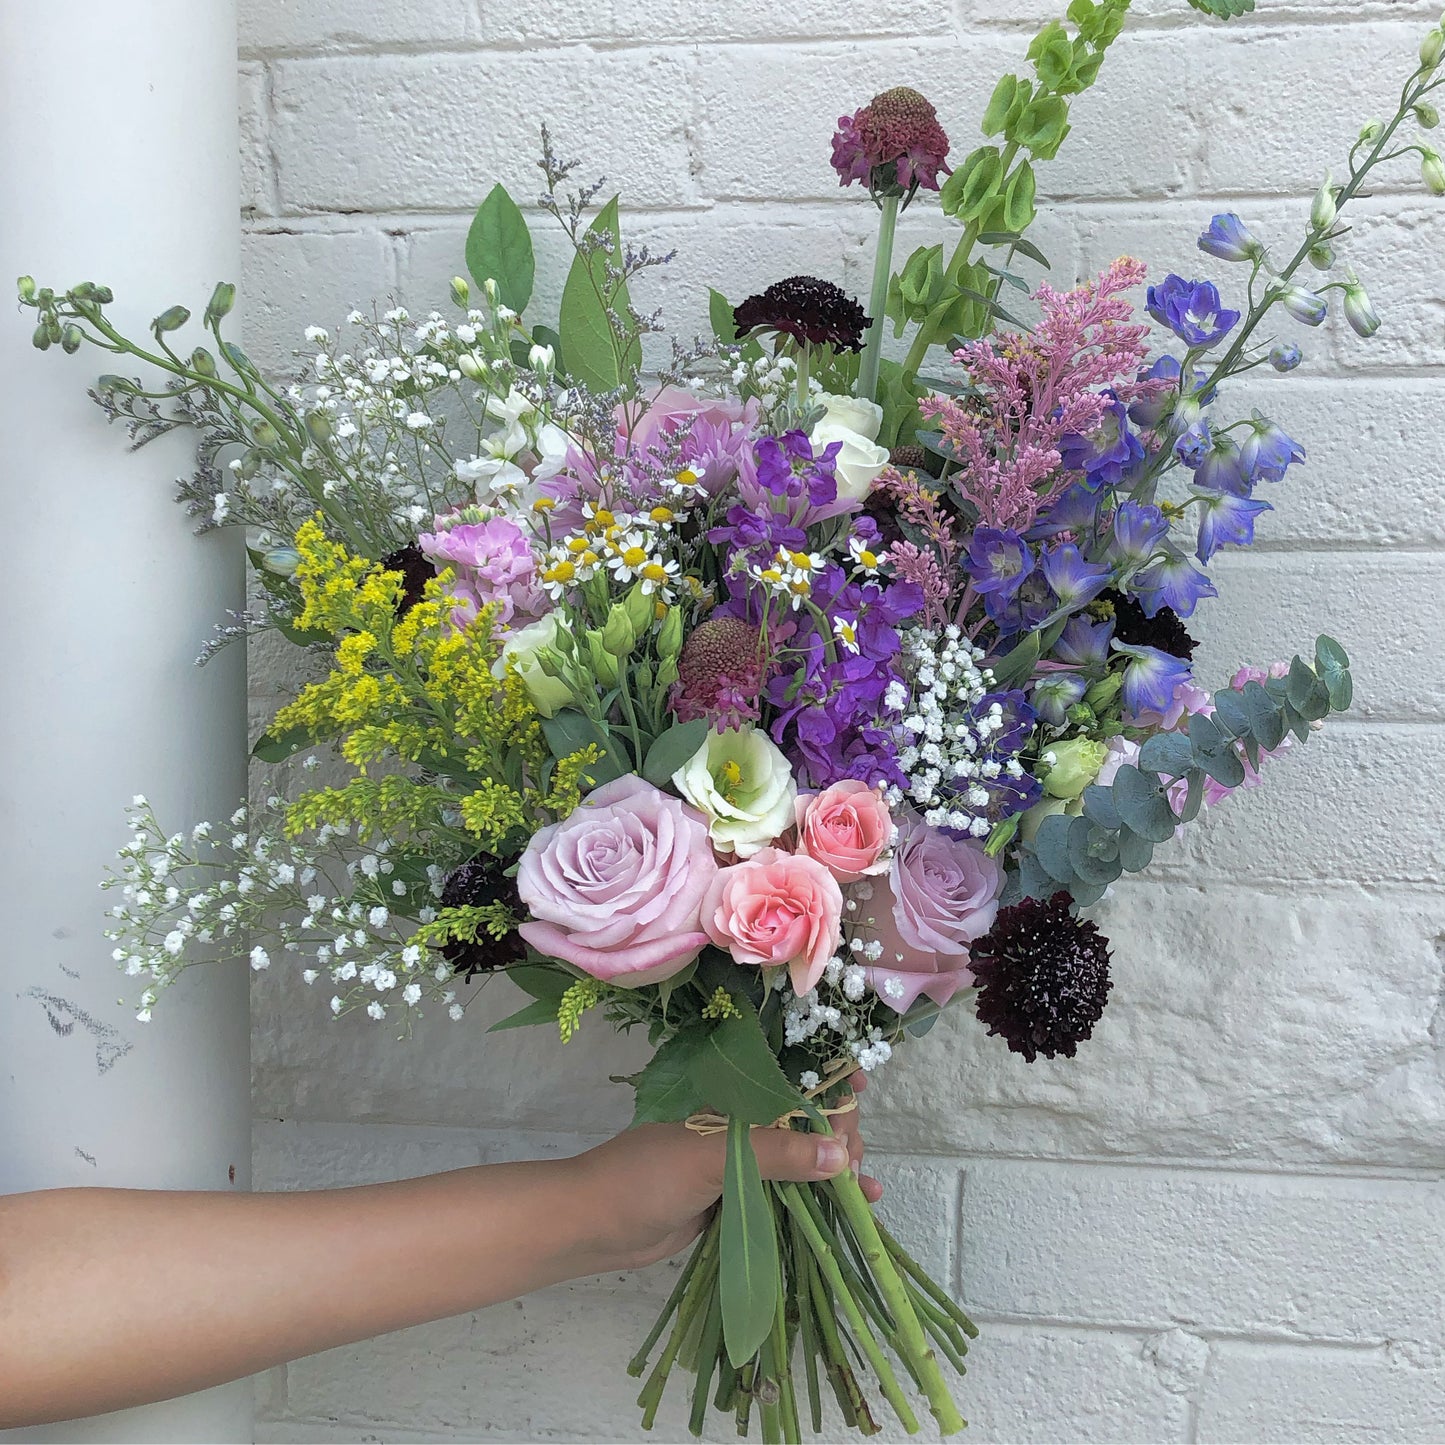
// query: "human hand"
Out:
[647,1193]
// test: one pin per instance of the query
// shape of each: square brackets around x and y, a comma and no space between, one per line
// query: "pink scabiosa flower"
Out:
[720,674]
[893,144]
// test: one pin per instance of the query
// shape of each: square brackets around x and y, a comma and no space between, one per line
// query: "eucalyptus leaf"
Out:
[1265,715]
[749,1278]
[1051,847]
[1170,753]
[1143,805]
[1135,853]
[1215,753]
[1094,852]
[1099,806]
[1194,798]
[1230,712]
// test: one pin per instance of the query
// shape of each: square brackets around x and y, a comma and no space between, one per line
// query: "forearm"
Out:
[115,1297]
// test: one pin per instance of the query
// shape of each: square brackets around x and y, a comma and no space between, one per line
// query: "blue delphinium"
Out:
[1225,518]
[1106,456]
[1150,677]
[1172,582]
[1267,451]
[1137,529]
[1192,310]
[998,562]
[1285,356]
[1229,239]
[1072,580]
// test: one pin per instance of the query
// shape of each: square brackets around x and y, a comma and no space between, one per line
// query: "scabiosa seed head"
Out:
[806,309]
[416,571]
[1043,977]
[474,885]
[719,673]
[894,144]
[1164,630]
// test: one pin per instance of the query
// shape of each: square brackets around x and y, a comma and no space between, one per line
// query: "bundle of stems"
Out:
[850,1300]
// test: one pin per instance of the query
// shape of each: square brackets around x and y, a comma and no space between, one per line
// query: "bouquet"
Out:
[771,696]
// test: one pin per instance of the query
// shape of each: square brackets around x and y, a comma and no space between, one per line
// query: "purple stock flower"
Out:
[1225,518]
[1106,455]
[1191,310]
[1073,580]
[1229,239]
[1083,643]
[1174,583]
[787,467]
[998,562]
[1138,527]
[1150,678]
[1267,451]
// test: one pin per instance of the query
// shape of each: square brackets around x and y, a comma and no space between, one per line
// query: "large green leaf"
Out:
[667,1089]
[277,747]
[538,1011]
[749,1279]
[1224,9]
[720,314]
[499,247]
[672,749]
[739,1074]
[589,349]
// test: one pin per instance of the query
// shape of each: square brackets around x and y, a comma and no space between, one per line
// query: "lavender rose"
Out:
[941,894]
[616,888]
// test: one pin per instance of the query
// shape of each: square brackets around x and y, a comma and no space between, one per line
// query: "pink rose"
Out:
[941,893]
[777,908]
[719,432]
[847,828]
[615,888]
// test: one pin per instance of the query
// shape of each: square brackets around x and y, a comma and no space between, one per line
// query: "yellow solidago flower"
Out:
[721,1005]
[583,995]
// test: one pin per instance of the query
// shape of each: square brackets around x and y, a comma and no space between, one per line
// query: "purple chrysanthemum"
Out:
[893,141]
[1043,977]
[806,309]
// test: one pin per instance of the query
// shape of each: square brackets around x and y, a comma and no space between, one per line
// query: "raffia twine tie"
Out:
[708,1122]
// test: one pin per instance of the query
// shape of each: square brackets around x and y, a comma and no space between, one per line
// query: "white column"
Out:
[118,165]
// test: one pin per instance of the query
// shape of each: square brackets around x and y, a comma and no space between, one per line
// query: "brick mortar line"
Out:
[1211,1334]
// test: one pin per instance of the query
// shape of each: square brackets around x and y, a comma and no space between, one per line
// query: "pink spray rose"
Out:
[615,889]
[493,562]
[941,894]
[777,908]
[846,828]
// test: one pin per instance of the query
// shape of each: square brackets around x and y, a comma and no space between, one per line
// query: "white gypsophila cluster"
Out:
[192,900]
[947,752]
[771,379]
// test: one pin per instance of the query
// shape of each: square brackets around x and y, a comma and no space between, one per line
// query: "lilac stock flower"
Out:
[1083,643]
[1226,519]
[1229,239]
[1073,580]
[787,467]
[1285,356]
[1055,693]
[1308,308]
[1191,310]
[1138,527]
[1150,678]
[1268,450]
[1107,455]
[1174,583]
[998,562]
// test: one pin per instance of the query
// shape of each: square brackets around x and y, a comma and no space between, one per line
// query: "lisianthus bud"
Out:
[1103,694]
[1426,116]
[222,299]
[604,664]
[1322,255]
[619,636]
[1322,212]
[1285,356]
[203,362]
[1432,47]
[669,640]
[469,366]
[1303,304]
[638,606]
[542,359]
[1362,317]
[1432,172]
[281,561]
[1075,764]
[461,291]
[530,650]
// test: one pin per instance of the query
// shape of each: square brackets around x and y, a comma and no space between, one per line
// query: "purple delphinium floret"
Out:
[1172,582]
[1229,239]
[1224,519]
[1150,678]
[1073,580]
[1192,310]
[1268,451]
[1137,528]
[1106,455]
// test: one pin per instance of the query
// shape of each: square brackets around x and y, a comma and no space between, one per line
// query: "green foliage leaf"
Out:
[541,982]
[720,313]
[538,1011]
[901,417]
[499,247]
[1266,720]
[1170,753]
[1017,664]
[1017,243]
[749,1279]
[1224,9]
[739,1075]
[1135,853]
[1215,752]
[1051,846]
[667,1089]
[569,731]
[277,747]
[671,750]
[1093,852]
[589,348]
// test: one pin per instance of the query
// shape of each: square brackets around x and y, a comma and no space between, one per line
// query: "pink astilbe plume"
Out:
[1038,388]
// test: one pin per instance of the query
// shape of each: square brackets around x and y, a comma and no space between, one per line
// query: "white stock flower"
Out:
[744,787]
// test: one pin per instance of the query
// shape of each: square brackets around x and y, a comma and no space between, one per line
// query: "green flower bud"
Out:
[25,288]
[1323,211]
[1072,765]
[469,366]
[1081,715]
[529,650]
[171,319]
[604,664]
[104,295]
[222,299]
[619,636]
[1371,131]
[490,287]
[1104,693]
[1363,317]
[542,359]
[318,427]
[1432,172]
[250,465]
[641,611]
[669,640]
[1030,822]
[1432,47]
[667,672]
[40,337]
[1322,255]
[1426,116]
[203,362]
[84,292]
[71,339]
[461,292]
[265,436]
[281,561]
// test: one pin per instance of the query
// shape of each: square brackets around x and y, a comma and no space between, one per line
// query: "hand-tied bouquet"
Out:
[770,704]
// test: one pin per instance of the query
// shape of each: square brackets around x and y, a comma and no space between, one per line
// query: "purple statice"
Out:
[1109,453]
[1267,452]
[893,144]
[1191,310]
[1229,239]
[1171,582]
[1073,581]
[1150,679]
[1225,519]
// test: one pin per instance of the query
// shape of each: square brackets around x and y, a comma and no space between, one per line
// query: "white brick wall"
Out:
[1224,1220]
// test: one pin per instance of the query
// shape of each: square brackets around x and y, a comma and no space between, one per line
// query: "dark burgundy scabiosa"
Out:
[720,674]
[814,312]
[473,885]
[894,144]
[1043,977]
[1164,630]
[416,571]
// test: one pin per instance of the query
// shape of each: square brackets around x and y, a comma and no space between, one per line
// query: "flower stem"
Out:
[916,1272]
[700,1287]
[867,387]
[638,1362]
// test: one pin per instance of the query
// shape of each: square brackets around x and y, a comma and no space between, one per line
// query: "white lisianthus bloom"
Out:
[512,411]
[853,412]
[521,649]
[743,786]
[553,444]
[859,460]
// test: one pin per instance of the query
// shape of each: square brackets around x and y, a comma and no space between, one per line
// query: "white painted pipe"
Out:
[118,165]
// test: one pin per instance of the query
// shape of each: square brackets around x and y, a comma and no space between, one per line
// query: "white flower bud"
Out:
[1322,212]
